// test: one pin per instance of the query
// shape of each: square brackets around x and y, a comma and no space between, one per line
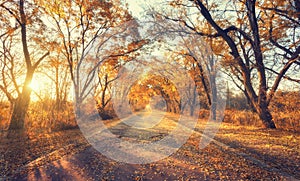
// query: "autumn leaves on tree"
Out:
[256,44]
[23,99]
[256,54]
[75,26]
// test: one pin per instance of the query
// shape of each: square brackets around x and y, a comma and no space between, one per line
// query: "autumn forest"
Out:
[149,90]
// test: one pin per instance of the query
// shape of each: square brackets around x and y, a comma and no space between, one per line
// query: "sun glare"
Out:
[34,85]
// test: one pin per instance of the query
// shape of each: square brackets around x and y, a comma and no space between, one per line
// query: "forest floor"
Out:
[235,153]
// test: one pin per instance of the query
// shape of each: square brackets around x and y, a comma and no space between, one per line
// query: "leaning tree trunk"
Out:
[22,102]
[266,117]
[261,108]
[17,121]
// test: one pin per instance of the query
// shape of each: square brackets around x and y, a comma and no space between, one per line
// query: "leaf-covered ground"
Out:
[20,155]
[236,153]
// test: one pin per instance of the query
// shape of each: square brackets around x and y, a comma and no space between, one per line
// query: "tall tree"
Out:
[257,40]
[199,53]
[11,69]
[56,70]
[24,19]
[89,32]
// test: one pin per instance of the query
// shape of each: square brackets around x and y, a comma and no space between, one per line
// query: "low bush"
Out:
[283,120]
[4,116]
[244,117]
[287,121]
[47,118]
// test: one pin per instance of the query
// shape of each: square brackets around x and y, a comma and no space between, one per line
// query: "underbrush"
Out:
[287,121]
[4,116]
[42,118]
[50,120]
[283,120]
[242,117]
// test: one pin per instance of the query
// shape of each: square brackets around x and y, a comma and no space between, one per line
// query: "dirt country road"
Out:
[232,155]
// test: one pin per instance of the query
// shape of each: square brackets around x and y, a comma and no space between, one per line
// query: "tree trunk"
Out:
[57,90]
[266,117]
[297,4]
[249,102]
[169,105]
[192,104]
[21,106]
[214,96]
[172,105]
[261,108]
[22,102]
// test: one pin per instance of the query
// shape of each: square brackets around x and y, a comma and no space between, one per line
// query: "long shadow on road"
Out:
[188,163]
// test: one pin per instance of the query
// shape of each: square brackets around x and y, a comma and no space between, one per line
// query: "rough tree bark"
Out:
[259,101]
[21,105]
[22,102]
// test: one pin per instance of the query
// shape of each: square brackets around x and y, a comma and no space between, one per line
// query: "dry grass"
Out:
[244,118]
[4,116]
[45,118]
[41,119]
[287,121]
[48,119]
[283,120]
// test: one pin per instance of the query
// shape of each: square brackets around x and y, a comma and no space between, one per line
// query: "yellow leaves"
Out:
[11,31]
[109,65]
[218,46]
[152,85]
[239,21]
[100,11]
[279,2]
[134,45]
[228,60]
[55,7]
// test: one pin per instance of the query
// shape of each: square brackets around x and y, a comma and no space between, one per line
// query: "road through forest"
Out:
[222,159]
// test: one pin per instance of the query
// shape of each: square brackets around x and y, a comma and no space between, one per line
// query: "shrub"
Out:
[204,114]
[43,117]
[244,117]
[283,120]
[287,121]
[4,116]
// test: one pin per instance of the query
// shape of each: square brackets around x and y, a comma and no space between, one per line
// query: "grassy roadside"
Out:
[278,148]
